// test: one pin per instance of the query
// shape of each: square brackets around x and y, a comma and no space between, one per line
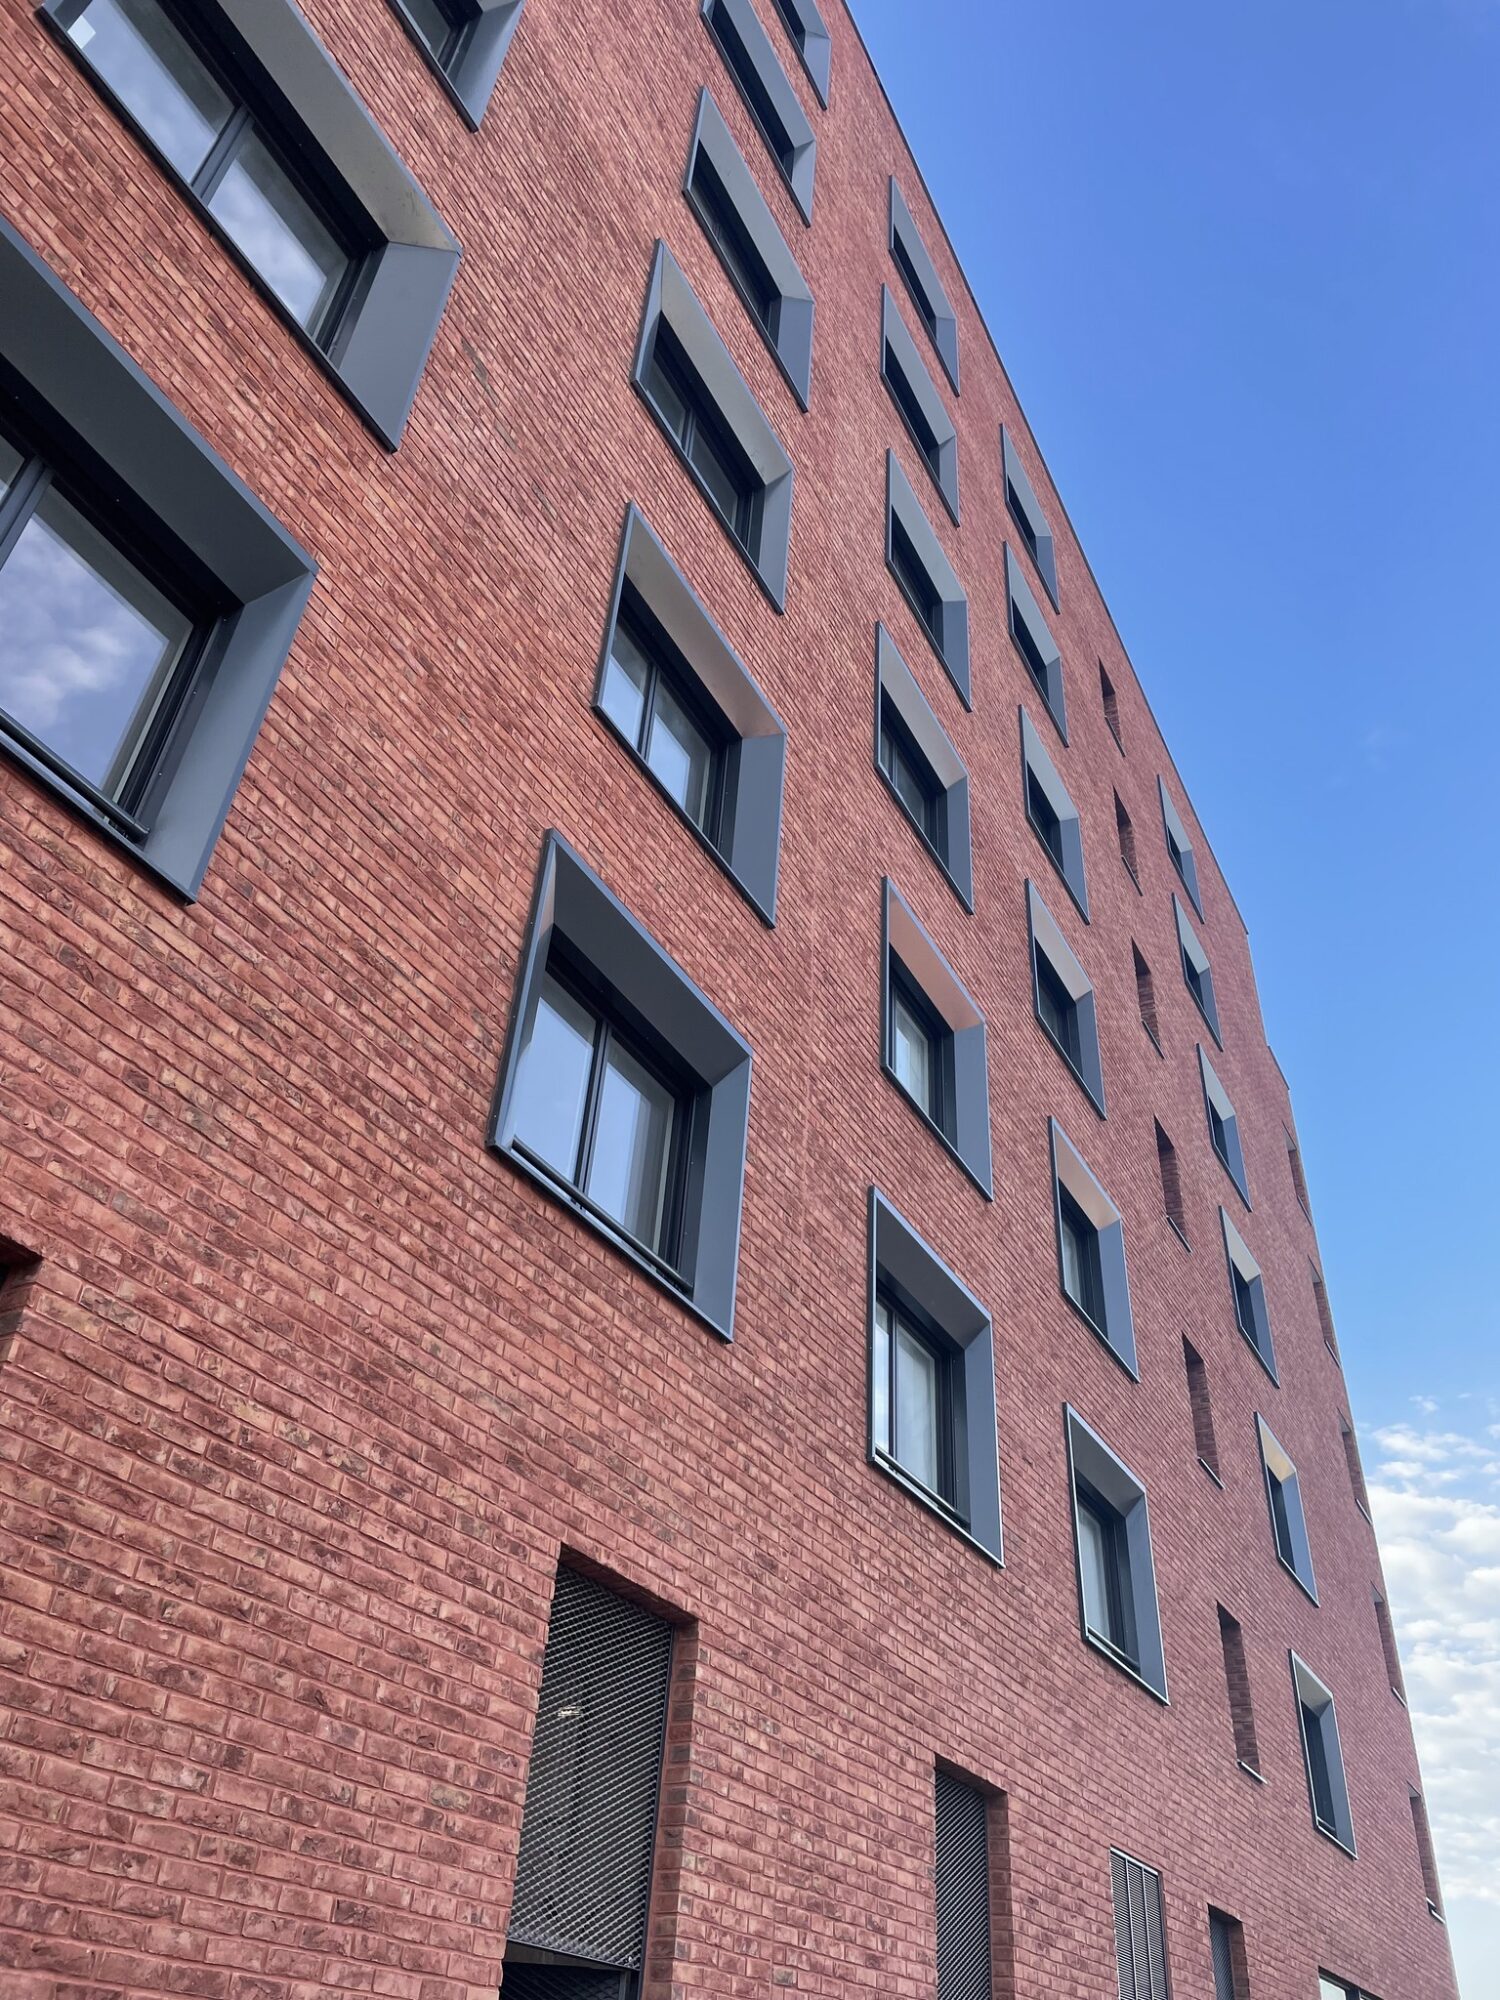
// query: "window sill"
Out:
[1305,1587]
[1074,1071]
[1208,1021]
[1255,1350]
[937,1132]
[1059,871]
[1334,1840]
[934,1505]
[1098,1332]
[1151,1038]
[1180,1235]
[1436,1914]
[1249,1770]
[1118,1660]
[947,873]
[1233,1179]
[1216,1480]
[1133,876]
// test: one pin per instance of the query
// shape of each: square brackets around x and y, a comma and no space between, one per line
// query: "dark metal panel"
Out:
[962,1890]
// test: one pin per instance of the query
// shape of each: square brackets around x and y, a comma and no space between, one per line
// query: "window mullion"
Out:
[21,502]
[205,182]
[648,705]
[602,1033]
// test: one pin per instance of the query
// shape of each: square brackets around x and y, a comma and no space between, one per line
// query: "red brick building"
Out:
[616,1023]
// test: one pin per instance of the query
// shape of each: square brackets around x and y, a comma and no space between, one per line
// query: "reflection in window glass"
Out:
[86,643]
[628,1168]
[880,1398]
[680,755]
[156,76]
[916,1407]
[433,23]
[1094,1559]
[911,1050]
[553,1080]
[626,679]
[277,229]
[10,465]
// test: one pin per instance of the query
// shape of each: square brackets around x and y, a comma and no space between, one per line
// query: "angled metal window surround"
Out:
[1067,856]
[932,429]
[949,630]
[1092,1465]
[923,283]
[1071,1174]
[1034,642]
[468,64]
[896,684]
[1026,511]
[968,1138]
[810,37]
[752,61]
[1048,944]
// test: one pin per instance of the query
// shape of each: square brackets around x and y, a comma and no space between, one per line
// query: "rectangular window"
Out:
[1171,1183]
[1223,1126]
[1425,1856]
[1180,846]
[927,579]
[1226,1939]
[1237,1683]
[934,1040]
[1248,1291]
[1111,703]
[923,285]
[921,592]
[1054,818]
[1299,1183]
[1323,1756]
[768,94]
[1082,1275]
[650,695]
[1323,1310]
[916,757]
[317,207]
[680,398]
[1197,973]
[1356,1470]
[809,32]
[1116,1570]
[1284,1498]
[1035,643]
[1140,1933]
[1204,1441]
[1388,1646]
[1026,511]
[1145,997]
[1126,833]
[932,1382]
[722,192]
[961,1889]
[915,395]
[465,42]
[588,1831]
[1339,1989]
[1091,1250]
[919,1049]
[1064,999]
[912,778]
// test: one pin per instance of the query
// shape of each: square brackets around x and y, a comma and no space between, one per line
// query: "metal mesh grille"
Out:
[562,1982]
[583,1880]
[1140,1943]
[1221,1936]
[962,1884]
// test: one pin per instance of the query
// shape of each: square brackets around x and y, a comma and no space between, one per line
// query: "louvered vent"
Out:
[1139,1940]
[962,1882]
[583,1880]
[1221,1935]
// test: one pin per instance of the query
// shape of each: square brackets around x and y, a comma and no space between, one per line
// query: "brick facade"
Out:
[303,1390]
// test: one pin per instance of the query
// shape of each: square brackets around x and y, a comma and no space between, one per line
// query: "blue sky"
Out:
[1243,263]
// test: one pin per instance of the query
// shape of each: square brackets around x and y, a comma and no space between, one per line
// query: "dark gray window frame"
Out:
[1237,1257]
[896,344]
[791,345]
[1190,947]
[1022,608]
[814,45]
[902,1262]
[1216,1099]
[1036,760]
[902,936]
[1026,510]
[573,905]
[670,298]
[380,344]
[897,684]
[1070,1170]
[1311,1693]
[1174,829]
[1275,1465]
[801,175]
[1047,941]
[1091,1460]
[904,231]
[88,386]
[951,642]
[748,846]
[469,76]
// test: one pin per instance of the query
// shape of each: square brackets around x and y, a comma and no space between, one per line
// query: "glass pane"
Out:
[632,1145]
[904,776]
[432,23]
[1281,1519]
[156,76]
[680,755]
[10,465]
[278,231]
[911,1052]
[552,1082]
[85,641]
[719,474]
[1093,1558]
[670,402]
[627,674]
[1075,1258]
[916,1407]
[1057,1007]
[1317,1765]
[880,1386]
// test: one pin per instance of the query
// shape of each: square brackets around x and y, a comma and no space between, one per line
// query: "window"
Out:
[1116,1573]
[1026,511]
[1035,643]
[1204,1441]
[1299,1183]
[1356,1470]
[1053,815]
[1145,997]
[1323,1756]
[809,33]
[290,173]
[768,94]
[465,42]
[588,1831]
[1111,705]
[1226,1938]
[935,1041]
[1388,1647]
[1126,832]
[737,221]
[131,553]
[1197,973]
[916,757]
[915,395]
[923,285]
[1288,1523]
[684,373]
[623,1093]
[1425,1856]
[1248,1291]
[1179,846]
[1140,1935]
[926,577]
[1237,1682]
[1338,1989]
[1223,1126]
[961,1889]
[932,1381]
[1091,1250]
[18,1268]
[679,699]
[1064,999]
[1325,1315]
[1171,1183]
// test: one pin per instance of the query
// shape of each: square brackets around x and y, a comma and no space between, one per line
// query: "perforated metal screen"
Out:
[583,1880]
[1139,1939]
[563,1982]
[962,1883]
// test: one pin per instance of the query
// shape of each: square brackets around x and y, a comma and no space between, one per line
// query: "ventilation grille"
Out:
[562,1982]
[962,1884]
[583,1880]
[1221,1936]
[1139,1942]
